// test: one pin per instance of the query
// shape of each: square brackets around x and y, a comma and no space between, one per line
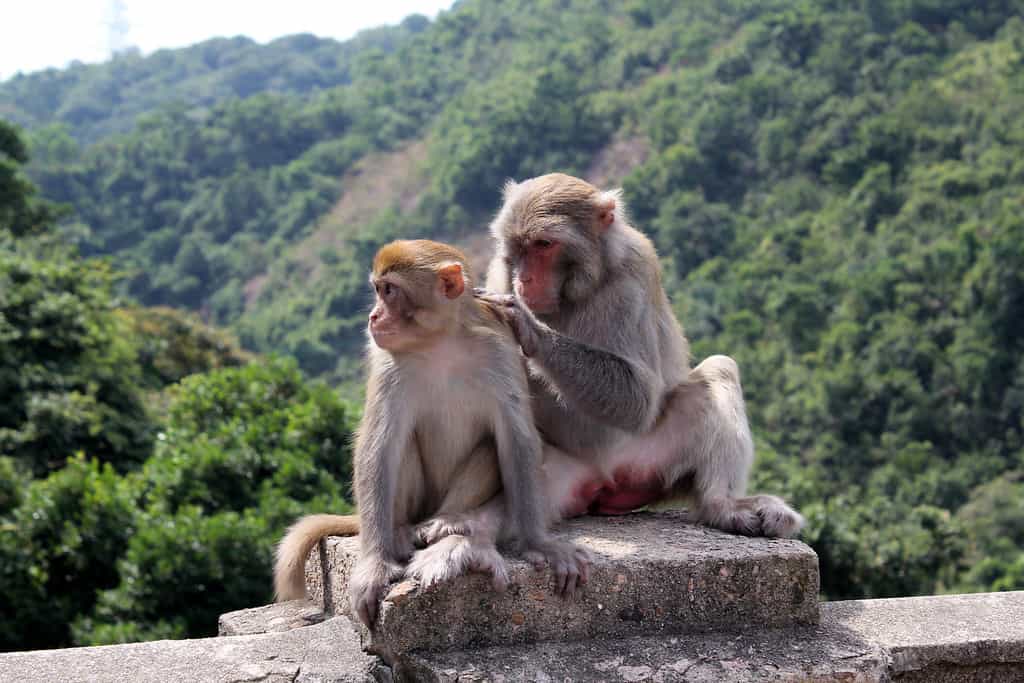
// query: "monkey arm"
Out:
[383,436]
[379,457]
[526,511]
[519,459]
[386,428]
[603,384]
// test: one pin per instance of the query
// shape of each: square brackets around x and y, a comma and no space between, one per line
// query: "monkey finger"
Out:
[536,559]
[499,579]
[504,300]
[568,579]
[583,560]
[562,580]
[367,612]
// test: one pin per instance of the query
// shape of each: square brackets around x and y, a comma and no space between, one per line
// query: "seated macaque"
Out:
[447,430]
[626,421]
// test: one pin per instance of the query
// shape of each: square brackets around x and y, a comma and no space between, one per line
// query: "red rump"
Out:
[628,491]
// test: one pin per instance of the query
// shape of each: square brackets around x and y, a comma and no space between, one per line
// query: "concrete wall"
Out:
[667,601]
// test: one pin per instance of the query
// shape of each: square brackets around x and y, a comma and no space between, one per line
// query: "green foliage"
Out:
[236,436]
[245,451]
[90,555]
[172,344]
[834,188]
[60,546]
[66,370]
[94,101]
[20,212]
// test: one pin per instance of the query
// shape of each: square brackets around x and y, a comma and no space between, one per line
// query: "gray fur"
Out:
[448,455]
[610,372]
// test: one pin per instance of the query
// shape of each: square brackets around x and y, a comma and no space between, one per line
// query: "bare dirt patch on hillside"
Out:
[615,161]
[379,181]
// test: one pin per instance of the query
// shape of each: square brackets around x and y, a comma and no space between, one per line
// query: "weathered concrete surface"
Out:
[325,653]
[934,639]
[802,653]
[653,573]
[275,618]
[943,637]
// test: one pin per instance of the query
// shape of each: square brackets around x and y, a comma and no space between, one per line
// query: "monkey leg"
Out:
[701,447]
[722,452]
[477,481]
[568,487]
[454,554]
[570,484]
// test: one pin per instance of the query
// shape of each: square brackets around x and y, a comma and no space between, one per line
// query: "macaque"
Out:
[628,422]
[446,431]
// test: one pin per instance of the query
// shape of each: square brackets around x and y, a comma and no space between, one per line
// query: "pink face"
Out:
[389,320]
[535,277]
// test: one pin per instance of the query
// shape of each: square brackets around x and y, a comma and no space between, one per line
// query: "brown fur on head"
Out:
[422,255]
[418,284]
[552,232]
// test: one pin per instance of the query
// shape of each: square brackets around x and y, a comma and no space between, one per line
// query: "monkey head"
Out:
[417,284]
[551,233]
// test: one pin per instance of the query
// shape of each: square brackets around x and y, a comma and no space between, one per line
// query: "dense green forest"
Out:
[836,190]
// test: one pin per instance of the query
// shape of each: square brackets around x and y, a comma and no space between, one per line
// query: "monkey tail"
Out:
[298,541]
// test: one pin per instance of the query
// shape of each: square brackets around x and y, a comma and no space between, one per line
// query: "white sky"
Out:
[37,34]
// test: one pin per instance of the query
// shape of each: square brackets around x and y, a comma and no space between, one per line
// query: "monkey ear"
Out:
[606,204]
[450,278]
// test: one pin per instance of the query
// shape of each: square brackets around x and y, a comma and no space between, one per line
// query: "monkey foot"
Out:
[442,526]
[454,556]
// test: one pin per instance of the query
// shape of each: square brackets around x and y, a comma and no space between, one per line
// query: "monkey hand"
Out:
[569,562]
[528,330]
[368,584]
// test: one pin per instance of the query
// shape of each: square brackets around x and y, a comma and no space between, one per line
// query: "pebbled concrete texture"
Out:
[934,639]
[274,618]
[653,573]
[803,653]
[328,652]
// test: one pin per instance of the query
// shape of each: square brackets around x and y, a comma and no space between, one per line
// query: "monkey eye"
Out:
[543,244]
[387,290]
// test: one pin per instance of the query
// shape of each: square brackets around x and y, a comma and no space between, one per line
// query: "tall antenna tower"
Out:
[117,27]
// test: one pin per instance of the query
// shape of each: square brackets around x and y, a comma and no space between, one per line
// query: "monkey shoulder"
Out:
[640,262]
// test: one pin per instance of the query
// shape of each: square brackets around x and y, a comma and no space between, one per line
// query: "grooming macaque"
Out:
[628,421]
[446,430]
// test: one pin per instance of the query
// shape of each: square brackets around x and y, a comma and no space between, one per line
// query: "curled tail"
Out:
[292,551]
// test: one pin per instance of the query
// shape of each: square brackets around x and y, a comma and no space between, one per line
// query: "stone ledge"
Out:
[936,639]
[274,618]
[932,636]
[324,653]
[653,573]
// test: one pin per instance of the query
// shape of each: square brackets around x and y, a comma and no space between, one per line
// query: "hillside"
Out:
[94,101]
[835,189]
